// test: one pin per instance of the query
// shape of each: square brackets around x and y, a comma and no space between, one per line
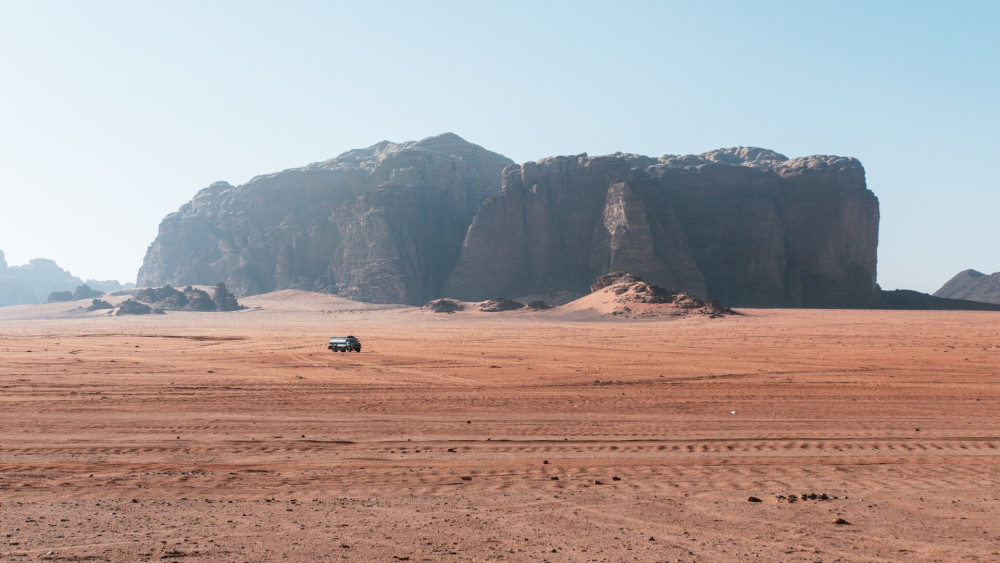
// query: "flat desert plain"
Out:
[523,436]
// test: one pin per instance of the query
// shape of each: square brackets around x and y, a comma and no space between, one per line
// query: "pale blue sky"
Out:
[113,114]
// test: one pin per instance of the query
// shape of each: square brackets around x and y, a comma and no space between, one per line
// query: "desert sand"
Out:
[538,436]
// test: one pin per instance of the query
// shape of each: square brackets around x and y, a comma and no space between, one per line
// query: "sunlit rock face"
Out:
[441,217]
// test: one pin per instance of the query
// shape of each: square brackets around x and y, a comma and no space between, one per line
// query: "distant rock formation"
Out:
[107,286]
[973,286]
[34,282]
[59,297]
[82,292]
[412,222]
[85,292]
[907,299]
[383,224]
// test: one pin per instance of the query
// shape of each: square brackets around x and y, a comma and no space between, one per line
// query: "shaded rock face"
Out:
[381,224]
[746,226]
[973,286]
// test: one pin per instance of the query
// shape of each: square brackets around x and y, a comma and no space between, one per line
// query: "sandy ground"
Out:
[516,436]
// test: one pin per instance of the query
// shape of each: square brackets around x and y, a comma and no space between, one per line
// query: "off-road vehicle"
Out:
[344,344]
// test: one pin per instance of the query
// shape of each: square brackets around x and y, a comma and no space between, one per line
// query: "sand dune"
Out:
[519,436]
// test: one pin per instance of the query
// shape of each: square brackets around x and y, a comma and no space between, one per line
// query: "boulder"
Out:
[498,304]
[443,306]
[132,307]
[85,292]
[98,304]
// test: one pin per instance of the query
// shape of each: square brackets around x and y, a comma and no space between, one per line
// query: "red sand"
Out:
[518,436]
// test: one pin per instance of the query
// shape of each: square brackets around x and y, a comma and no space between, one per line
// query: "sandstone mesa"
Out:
[442,217]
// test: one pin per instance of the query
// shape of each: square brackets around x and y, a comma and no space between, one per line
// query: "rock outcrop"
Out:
[33,282]
[412,222]
[167,298]
[86,292]
[132,307]
[443,306]
[500,304]
[746,226]
[382,224]
[626,295]
[909,300]
[973,286]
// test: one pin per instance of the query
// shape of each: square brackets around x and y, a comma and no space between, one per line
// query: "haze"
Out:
[114,114]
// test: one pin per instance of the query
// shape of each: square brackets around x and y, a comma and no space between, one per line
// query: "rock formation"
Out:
[907,299]
[746,226]
[167,298]
[59,297]
[973,286]
[412,222]
[86,292]
[500,304]
[382,224]
[443,306]
[33,282]
[626,295]
[132,307]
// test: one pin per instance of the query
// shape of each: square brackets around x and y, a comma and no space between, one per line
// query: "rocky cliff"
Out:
[382,224]
[745,226]
[440,217]
[973,286]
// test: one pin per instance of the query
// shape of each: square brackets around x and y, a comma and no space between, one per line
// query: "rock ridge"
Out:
[972,285]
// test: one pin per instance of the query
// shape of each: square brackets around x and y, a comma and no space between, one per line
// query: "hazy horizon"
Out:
[114,114]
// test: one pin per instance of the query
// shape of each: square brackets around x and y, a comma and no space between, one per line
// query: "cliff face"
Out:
[973,286]
[382,224]
[748,227]
[442,217]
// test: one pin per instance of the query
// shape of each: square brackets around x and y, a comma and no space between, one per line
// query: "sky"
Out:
[115,113]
